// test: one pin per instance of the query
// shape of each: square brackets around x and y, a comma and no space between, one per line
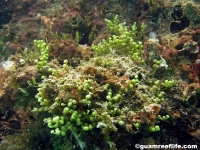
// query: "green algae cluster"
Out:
[44,53]
[123,41]
[111,91]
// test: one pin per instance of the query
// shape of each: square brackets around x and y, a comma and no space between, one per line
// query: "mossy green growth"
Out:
[124,41]
[77,38]
[74,107]
[24,96]
[190,12]
[154,128]
[43,47]
[1,45]
[163,117]
[167,84]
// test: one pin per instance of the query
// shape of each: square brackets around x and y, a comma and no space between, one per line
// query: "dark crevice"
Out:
[179,46]
[5,18]
[179,25]
[84,37]
[180,22]
[177,14]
